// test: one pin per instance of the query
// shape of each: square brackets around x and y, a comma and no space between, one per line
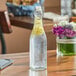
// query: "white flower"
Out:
[55,25]
[74,25]
[63,23]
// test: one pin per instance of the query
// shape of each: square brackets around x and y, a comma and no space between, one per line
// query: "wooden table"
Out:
[65,66]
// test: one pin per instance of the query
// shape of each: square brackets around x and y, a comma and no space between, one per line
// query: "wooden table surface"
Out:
[65,66]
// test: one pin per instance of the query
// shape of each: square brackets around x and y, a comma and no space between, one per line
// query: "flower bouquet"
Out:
[66,38]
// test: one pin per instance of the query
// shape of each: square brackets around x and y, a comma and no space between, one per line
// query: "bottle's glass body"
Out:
[38,44]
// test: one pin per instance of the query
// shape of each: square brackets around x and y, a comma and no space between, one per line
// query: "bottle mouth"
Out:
[38,11]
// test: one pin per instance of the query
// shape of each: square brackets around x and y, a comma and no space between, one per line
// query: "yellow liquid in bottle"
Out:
[38,28]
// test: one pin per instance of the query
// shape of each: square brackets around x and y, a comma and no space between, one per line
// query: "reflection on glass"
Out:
[59,58]
[37,73]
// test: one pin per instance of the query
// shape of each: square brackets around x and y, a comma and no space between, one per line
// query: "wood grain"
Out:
[63,66]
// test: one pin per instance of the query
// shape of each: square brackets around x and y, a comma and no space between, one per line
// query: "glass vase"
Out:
[66,47]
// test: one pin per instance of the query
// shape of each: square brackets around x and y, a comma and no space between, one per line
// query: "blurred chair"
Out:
[5,26]
[2,43]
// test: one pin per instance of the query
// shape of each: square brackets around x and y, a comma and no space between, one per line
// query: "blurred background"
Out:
[18,40]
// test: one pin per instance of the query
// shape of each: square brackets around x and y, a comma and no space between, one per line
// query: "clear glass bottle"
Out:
[38,43]
[66,7]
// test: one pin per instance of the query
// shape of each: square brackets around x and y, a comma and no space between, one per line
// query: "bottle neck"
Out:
[38,26]
[38,21]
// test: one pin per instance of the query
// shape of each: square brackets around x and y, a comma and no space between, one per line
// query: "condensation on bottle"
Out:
[38,43]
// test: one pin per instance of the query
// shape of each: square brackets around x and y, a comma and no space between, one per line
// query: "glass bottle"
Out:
[37,73]
[38,43]
[66,7]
